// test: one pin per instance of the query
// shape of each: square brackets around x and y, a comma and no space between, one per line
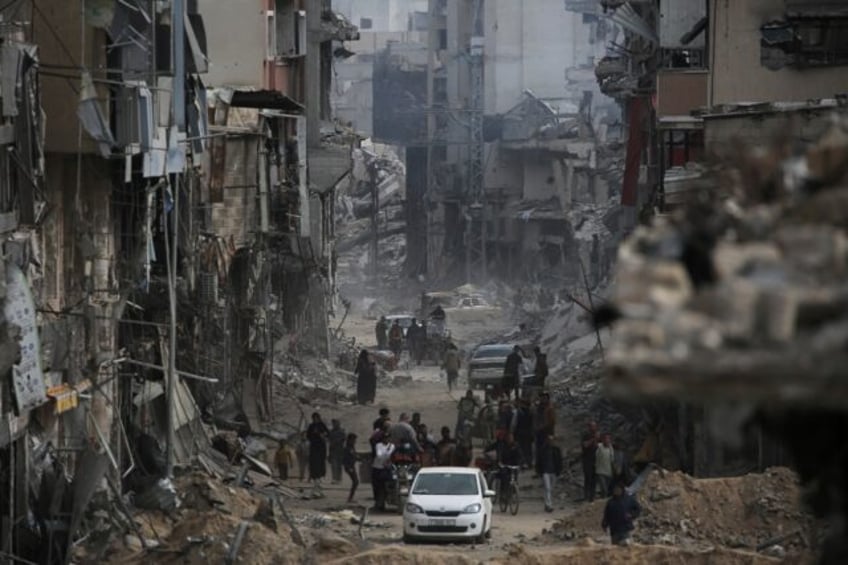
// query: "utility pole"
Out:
[179,123]
[375,223]
[475,202]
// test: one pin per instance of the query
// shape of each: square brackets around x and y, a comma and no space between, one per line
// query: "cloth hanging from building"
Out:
[635,141]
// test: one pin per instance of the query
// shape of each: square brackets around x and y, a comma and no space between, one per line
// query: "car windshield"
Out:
[490,352]
[446,484]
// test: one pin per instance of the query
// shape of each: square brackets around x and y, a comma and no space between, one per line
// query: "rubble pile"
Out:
[377,173]
[736,512]
[592,554]
[756,272]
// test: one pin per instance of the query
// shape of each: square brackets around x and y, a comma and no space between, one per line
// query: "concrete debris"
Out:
[378,176]
[758,277]
[161,495]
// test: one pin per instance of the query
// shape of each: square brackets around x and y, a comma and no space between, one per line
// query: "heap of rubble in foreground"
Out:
[744,292]
[754,512]
[738,305]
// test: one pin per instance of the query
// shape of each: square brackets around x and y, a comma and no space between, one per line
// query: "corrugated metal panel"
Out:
[629,19]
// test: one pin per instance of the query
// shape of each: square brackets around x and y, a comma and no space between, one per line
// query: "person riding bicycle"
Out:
[509,456]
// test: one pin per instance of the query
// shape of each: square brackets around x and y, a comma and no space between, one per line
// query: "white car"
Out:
[448,503]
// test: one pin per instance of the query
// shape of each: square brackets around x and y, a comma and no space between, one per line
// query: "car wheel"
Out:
[481,539]
[407,539]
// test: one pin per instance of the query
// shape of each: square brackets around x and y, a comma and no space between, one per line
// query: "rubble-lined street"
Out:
[424,282]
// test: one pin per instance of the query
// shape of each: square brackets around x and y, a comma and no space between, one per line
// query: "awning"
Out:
[265,100]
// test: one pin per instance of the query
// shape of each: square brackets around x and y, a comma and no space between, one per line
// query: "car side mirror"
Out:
[489,494]
[404,492]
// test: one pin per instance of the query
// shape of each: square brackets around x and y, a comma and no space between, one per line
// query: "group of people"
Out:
[318,446]
[605,471]
[603,465]
[511,381]
[523,439]
[525,433]
[414,338]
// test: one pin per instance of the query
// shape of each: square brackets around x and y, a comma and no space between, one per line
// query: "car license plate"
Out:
[442,522]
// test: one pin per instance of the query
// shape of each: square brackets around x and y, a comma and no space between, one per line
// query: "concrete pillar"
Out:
[312,74]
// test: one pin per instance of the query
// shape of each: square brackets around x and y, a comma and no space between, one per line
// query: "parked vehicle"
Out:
[448,503]
[486,366]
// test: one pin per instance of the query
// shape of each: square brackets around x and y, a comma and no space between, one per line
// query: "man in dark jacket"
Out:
[540,371]
[512,372]
[589,445]
[548,467]
[619,513]
[382,331]
[524,431]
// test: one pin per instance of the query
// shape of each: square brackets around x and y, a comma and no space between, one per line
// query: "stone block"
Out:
[660,283]
[732,259]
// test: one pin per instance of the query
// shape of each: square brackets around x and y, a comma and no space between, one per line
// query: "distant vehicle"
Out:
[404,320]
[473,301]
[448,503]
[486,366]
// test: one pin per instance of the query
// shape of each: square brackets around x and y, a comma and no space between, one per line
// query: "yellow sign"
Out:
[65,397]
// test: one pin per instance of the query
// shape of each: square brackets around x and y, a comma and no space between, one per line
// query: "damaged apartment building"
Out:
[512,152]
[699,82]
[167,219]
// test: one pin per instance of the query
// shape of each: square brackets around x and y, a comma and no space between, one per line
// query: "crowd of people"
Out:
[519,416]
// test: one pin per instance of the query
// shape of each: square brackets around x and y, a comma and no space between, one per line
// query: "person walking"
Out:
[540,370]
[524,431]
[284,459]
[512,373]
[412,338]
[445,448]
[604,462]
[545,423]
[336,439]
[303,455]
[317,433]
[620,511]
[382,330]
[589,445]
[548,470]
[381,472]
[466,412]
[396,339]
[349,460]
[383,415]
[451,364]
[366,378]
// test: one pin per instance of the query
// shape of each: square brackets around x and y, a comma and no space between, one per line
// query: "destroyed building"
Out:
[429,109]
[168,217]
[679,60]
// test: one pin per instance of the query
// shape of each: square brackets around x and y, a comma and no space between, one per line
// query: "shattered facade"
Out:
[161,238]
[550,144]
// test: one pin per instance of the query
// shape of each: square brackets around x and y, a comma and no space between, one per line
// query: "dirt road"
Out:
[429,396]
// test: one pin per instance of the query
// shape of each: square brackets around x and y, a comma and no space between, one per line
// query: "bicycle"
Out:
[508,498]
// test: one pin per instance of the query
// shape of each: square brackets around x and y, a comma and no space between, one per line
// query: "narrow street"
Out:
[424,394]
